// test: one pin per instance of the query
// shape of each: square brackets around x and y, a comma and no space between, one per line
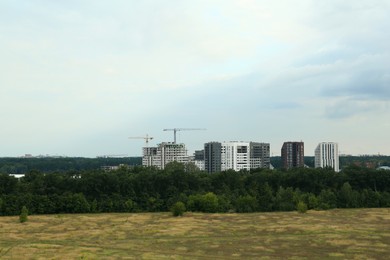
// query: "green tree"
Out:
[327,199]
[23,215]
[370,198]
[94,206]
[384,199]
[204,203]
[129,205]
[246,204]
[312,201]
[174,167]
[284,199]
[266,198]
[209,202]
[301,207]
[224,203]
[178,209]
[348,197]
[1,206]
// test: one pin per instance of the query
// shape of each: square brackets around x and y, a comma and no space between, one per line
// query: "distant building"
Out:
[163,154]
[327,155]
[151,157]
[17,175]
[236,156]
[114,167]
[199,159]
[199,155]
[260,155]
[212,157]
[292,155]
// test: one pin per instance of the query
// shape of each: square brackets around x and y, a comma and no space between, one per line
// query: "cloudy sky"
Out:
[79,77]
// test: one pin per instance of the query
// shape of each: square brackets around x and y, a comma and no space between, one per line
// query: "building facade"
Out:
[260,155]
[151,156]
[236,156]
[163,154]
[212,156]
[199,160]
[326,154]
[293,155]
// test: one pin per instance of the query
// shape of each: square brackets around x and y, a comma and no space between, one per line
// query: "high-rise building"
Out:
[292,155]
[260,155]
[327,155]
[235,155]
[212,157]
[244,155]
[163,154]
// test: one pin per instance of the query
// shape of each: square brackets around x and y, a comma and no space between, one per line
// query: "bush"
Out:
[204,203]
[178,209]
[302,207]
[209,203]
[23,215]
[246,204]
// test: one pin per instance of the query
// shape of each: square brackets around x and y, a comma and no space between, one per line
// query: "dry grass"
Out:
[342,234]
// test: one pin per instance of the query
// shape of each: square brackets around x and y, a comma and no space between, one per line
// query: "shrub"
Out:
[129,205]
[246,204]
[209,203]
[178,209]
[204,203]
[301,207]
[23,215]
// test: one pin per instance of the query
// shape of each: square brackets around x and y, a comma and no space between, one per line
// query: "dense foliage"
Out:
[24,165]
[369,161]
[148,189]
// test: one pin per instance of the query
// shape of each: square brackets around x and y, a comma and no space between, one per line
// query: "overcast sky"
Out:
[78,77]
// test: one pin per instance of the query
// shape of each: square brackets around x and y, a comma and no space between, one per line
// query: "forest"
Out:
[13,165]
[147,189]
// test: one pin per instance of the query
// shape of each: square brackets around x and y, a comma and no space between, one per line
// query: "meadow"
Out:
[332,234]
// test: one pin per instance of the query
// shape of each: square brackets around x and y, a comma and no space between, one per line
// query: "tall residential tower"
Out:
[212,157]
[292,155]
[236,156]
[327,155]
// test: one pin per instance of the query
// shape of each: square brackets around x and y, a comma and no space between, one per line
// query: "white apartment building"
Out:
[244,155]
[163,154]
[235,155]
[151,156]
[199,164]
[327,155]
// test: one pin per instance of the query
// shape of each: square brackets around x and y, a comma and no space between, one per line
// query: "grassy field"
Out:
[343,234]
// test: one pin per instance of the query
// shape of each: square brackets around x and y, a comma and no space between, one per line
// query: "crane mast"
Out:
[180,129]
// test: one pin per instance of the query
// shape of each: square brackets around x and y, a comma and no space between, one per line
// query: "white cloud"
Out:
[87,70]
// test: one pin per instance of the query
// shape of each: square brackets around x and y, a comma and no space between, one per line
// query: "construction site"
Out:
[166,152]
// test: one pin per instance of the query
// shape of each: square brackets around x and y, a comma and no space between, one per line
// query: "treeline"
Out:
[65,164]
[368,161]
[24,165]
[142,189]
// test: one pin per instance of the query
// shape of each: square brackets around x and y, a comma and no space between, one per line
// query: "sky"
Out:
[77,78]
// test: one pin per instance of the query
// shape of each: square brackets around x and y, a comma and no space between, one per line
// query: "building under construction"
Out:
[163,154]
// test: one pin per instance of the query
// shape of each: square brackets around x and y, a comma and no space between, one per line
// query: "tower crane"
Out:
[181,129]
[146,138]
